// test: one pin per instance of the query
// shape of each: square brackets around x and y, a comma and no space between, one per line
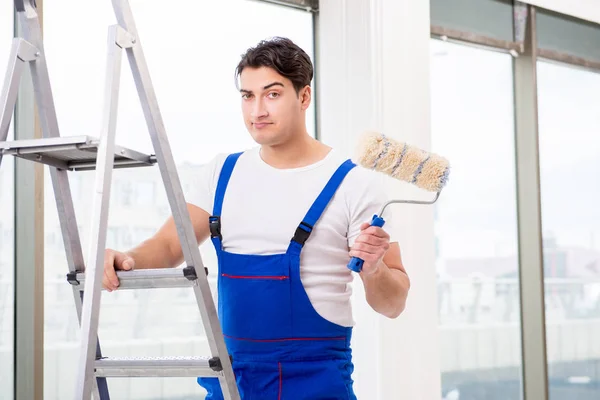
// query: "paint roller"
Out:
[402,161]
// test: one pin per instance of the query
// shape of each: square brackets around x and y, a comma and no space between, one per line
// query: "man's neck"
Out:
[294,154]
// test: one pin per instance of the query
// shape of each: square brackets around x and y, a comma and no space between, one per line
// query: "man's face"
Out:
[273,111]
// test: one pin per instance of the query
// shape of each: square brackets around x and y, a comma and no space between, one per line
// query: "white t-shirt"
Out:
[263,206]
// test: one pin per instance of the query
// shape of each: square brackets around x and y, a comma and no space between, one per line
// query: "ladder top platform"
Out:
[73,153]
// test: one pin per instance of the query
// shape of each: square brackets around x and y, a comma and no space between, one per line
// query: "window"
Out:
[122,192]
[569,144]
[7,231]
[145,193]
[192,50]
[476,223]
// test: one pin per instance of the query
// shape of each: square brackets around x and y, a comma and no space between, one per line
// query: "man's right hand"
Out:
[113,261]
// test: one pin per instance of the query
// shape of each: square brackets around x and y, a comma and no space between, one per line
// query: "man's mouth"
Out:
[260,125]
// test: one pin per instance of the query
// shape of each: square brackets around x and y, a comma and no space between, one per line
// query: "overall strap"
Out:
[215,219]
[320,204]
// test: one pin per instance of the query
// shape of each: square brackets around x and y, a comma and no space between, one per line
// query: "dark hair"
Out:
[284,56]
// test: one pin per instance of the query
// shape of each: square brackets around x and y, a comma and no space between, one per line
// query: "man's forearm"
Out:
[152,253]
[163,250]
[386,290]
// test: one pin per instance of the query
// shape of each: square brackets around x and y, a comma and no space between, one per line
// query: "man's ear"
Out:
[305,97]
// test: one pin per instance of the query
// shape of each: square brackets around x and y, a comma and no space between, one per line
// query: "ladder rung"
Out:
[74,153]
[155,367]
[147,278]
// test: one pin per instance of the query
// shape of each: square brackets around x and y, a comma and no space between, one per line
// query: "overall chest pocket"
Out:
[255,297]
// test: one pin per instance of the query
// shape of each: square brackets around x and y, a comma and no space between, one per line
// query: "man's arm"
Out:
[384,277]
[387,288]
[163,250]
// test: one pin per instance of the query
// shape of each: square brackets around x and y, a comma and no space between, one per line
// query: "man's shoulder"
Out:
[219,158]
[363,187]
[363,177]
[215,164]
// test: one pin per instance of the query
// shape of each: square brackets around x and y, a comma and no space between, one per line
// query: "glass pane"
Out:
[7,231]
[192,50]
[569,125]
[568,35]
[476,223]
[491,18]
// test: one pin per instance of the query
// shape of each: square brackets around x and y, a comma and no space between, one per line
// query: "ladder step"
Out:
[147,278]
[157,367]
[73,153]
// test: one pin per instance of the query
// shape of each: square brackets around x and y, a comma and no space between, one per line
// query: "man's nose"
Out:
[258,109]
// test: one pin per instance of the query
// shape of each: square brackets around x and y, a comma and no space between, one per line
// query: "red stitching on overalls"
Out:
[284,339]
[280,382]
[282,277]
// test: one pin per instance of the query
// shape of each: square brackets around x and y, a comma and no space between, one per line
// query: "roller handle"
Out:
[356,263]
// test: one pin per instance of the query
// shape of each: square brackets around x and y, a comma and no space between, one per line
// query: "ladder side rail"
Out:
[176,199]
[31,28]
[10,89]
[99,218]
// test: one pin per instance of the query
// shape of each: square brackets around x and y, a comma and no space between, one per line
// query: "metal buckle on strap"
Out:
[214,223]
[302,233]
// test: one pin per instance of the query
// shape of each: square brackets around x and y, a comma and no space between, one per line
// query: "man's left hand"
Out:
[371,246]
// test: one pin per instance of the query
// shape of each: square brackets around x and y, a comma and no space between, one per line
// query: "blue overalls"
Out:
[282,348]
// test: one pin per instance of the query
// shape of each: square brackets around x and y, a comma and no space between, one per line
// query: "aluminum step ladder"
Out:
[79,153]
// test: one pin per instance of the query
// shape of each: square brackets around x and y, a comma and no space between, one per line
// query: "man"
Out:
[287,216]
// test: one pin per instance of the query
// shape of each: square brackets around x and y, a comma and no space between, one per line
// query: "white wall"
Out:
[584,9]
[373,73]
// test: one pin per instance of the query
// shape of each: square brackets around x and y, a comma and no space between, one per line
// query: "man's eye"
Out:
[273,94]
